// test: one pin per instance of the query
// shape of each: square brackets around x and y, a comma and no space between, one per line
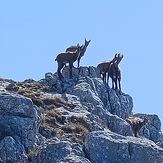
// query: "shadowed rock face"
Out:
[78,119]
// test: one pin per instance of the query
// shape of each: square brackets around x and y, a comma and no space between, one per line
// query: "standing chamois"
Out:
[83,49]
[104,68]
[136,125]
[115,72]
[67,57]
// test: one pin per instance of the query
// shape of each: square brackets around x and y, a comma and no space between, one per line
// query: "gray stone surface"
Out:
[108,147]
[12,150]
[152,130]
[19,122]
[60,152]
[121,103]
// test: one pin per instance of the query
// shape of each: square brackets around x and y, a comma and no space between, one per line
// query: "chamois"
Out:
[115,72]
[67,57]
[83,49]
[136,125]
[104,68]
[72,48]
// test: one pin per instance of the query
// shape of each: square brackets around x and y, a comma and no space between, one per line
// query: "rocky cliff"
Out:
[78,120]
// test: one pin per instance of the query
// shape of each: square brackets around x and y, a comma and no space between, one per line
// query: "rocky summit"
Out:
[73,120]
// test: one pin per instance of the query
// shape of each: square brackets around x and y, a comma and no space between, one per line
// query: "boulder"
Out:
[60,152]
[121,103]
[105,146]
[118,125]
[12,150]
[19,123]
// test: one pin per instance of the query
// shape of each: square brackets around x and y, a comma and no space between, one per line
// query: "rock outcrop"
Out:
[73,120]
[104,147]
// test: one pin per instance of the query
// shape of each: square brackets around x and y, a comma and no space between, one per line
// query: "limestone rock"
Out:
[121,104]
[152,130]
[12,150]
[103,146]
[60,152]
[118,125]
[75,120]
[19,122]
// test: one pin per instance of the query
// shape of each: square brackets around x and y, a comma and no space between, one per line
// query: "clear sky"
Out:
[33,32]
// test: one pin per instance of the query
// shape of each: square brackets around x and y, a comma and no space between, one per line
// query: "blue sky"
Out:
[32,33]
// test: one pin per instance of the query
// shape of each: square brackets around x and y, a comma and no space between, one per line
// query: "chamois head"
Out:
[87,42]
[116,57]
[119,57]
[82,49]
[106,66]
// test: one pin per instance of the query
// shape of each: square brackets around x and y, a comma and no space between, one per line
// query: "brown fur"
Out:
[104,68]
[83,49]
[67,57]
[72,48]
[136,125]
[115,72]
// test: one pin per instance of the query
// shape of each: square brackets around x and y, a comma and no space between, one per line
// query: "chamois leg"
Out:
[103,77]
[116,86]
[70,65]
[119,81]
[60,66]
[114,82]
[78,62]
[135,134]
[107,81]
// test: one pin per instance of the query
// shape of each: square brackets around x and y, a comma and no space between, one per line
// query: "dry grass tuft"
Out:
[57,101]
[78,129]
[53,117]
[54,123]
